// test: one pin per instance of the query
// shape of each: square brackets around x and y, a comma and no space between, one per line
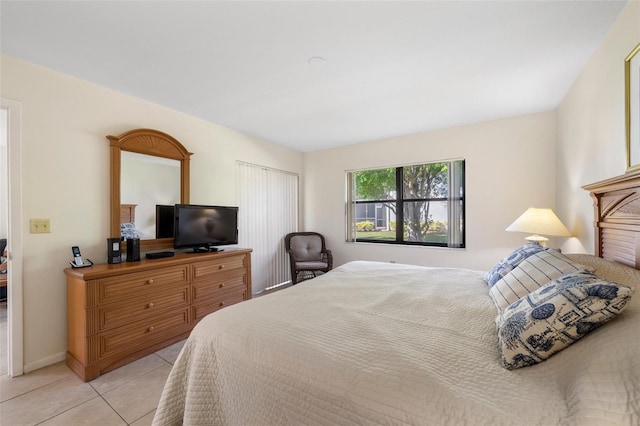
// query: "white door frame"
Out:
[14,237]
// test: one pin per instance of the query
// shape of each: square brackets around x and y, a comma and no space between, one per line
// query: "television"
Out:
[165,219]
[204,227]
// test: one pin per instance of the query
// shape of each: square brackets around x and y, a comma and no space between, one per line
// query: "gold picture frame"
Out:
[632,107]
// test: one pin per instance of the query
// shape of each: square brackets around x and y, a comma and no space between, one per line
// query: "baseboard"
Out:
[45,362]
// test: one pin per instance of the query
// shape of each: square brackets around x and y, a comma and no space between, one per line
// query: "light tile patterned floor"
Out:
[56,396]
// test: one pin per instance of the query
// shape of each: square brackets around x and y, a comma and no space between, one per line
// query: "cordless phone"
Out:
[77,257]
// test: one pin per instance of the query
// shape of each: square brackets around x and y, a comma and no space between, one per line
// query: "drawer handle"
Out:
[150,329]
[150,281]
[221,304]
[150,305]
[221,267]
[221,285]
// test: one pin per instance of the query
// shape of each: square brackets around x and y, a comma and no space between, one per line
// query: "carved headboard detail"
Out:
[616,203]
[127,213]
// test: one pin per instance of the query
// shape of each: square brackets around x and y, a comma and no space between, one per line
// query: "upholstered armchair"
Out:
[308,255]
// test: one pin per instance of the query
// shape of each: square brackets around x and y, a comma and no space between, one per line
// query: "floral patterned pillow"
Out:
[556,315]
[507,264]
[128,230]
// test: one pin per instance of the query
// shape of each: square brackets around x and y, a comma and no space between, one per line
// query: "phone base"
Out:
[87,263]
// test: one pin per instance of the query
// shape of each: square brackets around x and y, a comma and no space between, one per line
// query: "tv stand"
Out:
[206,249]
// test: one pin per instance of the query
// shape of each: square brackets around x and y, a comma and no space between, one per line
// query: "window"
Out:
[418,204]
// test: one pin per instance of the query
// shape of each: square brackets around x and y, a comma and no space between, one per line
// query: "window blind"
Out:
[267,211]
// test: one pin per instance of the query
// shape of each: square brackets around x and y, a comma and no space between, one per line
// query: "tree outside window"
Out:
[418,204]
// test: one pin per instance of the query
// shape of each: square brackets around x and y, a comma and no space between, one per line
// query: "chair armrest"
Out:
[328,258]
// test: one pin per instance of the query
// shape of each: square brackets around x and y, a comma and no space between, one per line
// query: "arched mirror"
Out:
[149,172]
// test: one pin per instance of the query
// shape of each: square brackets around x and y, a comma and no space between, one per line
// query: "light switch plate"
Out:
[40,226]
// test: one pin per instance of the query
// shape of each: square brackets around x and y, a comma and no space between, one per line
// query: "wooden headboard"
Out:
[127,213]
[616,203]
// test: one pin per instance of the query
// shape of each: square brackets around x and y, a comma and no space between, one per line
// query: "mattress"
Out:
[381,343]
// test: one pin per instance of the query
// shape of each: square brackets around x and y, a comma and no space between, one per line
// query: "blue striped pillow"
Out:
[507,264]
[531,274]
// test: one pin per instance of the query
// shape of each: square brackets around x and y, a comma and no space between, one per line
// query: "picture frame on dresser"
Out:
[632,107]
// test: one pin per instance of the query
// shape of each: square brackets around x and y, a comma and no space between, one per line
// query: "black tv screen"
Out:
[204,227]
[165,219]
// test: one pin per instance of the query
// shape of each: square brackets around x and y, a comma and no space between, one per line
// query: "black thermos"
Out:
[133,249]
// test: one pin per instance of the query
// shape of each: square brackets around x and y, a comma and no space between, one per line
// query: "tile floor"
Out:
[54,395]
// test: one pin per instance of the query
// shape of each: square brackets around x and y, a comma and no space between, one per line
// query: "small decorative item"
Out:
[133,249]
[114,250]
[632,107]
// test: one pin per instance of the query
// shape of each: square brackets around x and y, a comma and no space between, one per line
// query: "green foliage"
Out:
[365,226]
[419,182]
[375,184]
[436,226]
[425,180]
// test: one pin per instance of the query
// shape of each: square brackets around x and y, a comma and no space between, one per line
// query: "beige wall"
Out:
[538,160]
[591,131]
[66,178]
[509,167]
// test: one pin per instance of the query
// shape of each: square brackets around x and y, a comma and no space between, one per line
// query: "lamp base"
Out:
[538,239]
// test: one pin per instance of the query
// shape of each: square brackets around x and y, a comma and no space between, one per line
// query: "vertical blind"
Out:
[267,211]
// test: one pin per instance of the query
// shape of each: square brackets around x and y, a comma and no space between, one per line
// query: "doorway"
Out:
[11,227]
[4,232]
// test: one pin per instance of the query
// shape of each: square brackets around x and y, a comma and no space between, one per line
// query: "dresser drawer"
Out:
[140,283]
[141,307]
[200,310]
[225,283]
[144,333]
[206,270]
[119,313]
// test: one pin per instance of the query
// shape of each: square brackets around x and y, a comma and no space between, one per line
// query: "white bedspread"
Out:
[377,343]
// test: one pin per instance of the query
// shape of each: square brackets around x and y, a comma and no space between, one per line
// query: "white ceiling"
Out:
[392,68]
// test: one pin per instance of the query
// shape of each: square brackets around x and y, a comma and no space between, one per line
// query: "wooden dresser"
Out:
[122,312]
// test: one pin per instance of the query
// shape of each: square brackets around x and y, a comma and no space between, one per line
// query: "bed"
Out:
[381,343]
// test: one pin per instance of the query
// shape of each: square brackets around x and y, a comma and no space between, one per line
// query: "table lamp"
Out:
[539,221]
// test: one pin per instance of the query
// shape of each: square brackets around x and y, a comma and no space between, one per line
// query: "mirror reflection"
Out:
[146,181]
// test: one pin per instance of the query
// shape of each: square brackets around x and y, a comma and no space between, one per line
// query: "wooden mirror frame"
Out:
[149,142]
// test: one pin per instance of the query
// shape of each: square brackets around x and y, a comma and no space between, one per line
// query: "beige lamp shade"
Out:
[539,222]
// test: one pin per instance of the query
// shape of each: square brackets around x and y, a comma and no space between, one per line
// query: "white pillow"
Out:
[531,274]
[556,315]
[608,269]
[507,264]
